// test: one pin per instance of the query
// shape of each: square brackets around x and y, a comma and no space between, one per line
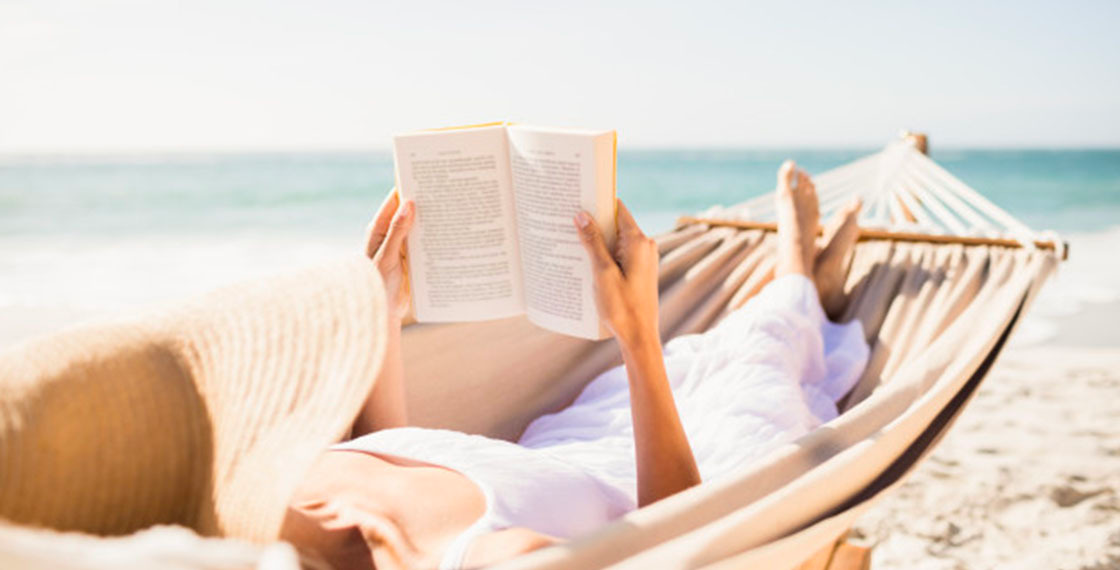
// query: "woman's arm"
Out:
[385,245]
[626,296]
[385,408]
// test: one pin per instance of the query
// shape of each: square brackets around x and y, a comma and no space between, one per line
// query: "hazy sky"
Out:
[109,75]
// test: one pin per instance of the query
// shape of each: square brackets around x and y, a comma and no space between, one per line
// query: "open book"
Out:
[494,236]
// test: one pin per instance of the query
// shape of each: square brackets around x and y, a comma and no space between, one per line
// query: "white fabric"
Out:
[736,388]
[522,487]
[768,374]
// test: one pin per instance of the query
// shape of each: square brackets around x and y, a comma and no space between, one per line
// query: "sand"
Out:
[1029,477]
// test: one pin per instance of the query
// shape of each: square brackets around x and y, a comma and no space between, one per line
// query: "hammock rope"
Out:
[907,196]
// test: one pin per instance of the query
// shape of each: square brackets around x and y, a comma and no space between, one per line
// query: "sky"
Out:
[152,75]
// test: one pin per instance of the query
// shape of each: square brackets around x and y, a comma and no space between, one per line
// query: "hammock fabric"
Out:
[936,316]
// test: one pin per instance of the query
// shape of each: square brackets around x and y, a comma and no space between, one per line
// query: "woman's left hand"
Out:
[386,246]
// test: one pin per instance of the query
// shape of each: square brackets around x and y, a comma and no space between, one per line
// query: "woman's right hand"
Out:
[625,279]
[386,245]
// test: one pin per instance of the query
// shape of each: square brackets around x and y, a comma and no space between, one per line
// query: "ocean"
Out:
[94,236]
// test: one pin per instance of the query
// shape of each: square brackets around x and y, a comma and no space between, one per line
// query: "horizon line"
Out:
[340,150]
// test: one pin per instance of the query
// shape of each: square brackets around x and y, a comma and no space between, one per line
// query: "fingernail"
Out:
[583,220]
[406,210]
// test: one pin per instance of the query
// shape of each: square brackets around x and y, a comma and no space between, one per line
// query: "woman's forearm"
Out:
[664,458]
[385,408]
[626,296]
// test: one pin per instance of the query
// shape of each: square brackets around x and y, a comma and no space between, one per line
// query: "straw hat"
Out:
[205,415]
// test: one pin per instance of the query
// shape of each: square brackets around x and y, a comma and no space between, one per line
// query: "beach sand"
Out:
[1028,477]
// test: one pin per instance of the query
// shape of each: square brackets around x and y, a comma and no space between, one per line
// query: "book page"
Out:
[463,259]
[555,174]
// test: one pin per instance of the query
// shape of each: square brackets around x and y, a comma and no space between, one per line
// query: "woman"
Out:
[667,419]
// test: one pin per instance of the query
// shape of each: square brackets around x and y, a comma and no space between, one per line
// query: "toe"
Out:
[849,211]
[842,227]
[786,175]
[803,181]
[835,222]
[805,185]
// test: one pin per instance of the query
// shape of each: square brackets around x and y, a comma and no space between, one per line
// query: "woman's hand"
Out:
[625,281]
[385,245]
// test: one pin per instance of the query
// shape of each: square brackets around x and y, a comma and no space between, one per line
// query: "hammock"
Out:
[939,280]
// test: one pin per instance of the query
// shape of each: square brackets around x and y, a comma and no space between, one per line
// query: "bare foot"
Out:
[831,266]
[798,221]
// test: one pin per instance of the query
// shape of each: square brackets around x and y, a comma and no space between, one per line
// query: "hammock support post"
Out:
[919,140]
[839,555]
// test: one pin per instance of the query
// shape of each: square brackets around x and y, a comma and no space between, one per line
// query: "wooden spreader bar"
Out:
[864,233]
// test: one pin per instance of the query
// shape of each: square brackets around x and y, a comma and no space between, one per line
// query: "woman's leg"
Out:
[830,269]
[798,226]
[798,222]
